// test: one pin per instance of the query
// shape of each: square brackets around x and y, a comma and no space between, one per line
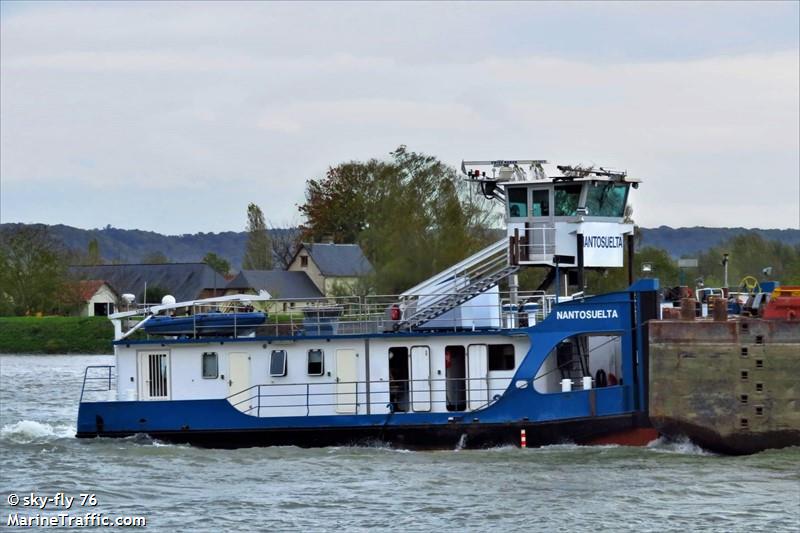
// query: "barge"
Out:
[452,362]
[729,384]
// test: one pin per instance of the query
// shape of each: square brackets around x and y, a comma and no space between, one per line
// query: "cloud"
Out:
[182,111]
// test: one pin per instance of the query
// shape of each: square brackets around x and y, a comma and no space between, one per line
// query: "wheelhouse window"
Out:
[540,204]
[566,199]
[315,363]
[517,202]
[277,363]
[210,365]
[606,199]
[501,357]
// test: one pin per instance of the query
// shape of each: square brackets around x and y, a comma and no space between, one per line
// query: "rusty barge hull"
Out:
[730,386]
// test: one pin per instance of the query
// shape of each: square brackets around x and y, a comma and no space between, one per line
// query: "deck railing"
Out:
[97,379]
[355,315]
[459,395]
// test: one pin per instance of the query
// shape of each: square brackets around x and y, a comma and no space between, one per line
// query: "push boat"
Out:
[453,362]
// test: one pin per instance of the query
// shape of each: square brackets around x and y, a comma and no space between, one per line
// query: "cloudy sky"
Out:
[172,117]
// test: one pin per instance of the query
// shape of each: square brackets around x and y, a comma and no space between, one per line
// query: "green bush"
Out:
[56,334]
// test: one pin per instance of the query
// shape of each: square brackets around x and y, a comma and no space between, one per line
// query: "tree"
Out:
[219,264]
[152,295]
[749,254]
[155,258]
[258,252]
[284,244]
[32,270]
[93,253]
[411,215]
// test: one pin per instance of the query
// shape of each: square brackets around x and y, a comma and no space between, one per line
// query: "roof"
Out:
[338,259]
[279,283]
[89,287]
[185,281]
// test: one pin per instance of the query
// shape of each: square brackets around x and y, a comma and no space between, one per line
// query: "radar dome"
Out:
[168,300]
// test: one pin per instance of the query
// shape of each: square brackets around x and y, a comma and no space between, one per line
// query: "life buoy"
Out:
[600,379]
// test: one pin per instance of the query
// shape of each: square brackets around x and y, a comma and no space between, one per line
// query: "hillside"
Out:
[130,246]
[689,241]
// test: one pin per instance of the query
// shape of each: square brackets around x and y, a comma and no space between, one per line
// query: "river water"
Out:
[663,487]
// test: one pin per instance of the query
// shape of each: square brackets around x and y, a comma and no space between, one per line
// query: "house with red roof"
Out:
[97,297]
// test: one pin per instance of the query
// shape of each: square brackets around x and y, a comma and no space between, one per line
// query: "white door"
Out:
[154,375]
[420,378]
[477,376]
[241,396]
[346,376]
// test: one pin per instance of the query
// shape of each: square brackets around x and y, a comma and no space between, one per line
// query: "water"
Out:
[664,487]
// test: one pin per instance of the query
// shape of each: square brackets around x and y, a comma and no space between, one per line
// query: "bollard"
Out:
[523,441]
[720,310]
[671,313]
[688,306]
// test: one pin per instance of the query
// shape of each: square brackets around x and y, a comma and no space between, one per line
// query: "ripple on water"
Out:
[667,485]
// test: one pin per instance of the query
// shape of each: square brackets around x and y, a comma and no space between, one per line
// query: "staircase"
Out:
[456,285]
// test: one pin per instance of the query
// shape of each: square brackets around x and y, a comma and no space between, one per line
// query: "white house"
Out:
[98,297]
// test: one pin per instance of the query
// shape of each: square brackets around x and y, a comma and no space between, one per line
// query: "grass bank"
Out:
[56,334]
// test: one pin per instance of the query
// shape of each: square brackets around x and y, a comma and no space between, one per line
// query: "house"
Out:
[331,267]
[280,284]
[97,297]
[184,281]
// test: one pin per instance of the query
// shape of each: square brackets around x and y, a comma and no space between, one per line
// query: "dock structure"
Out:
[731,386]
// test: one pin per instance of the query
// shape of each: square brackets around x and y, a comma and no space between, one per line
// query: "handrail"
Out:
[407,387]
[104,378]
[474,259]
[370,314]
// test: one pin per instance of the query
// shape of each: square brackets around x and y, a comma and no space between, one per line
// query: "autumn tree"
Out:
[412,215]
[258,251]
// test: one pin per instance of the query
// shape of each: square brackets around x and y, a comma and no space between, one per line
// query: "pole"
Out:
[581,284]
[629,239]
[558,281]
[725,264]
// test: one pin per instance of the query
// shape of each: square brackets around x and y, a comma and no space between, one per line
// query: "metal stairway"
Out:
[456,285]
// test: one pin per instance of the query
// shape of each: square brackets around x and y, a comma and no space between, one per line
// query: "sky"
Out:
[172,117]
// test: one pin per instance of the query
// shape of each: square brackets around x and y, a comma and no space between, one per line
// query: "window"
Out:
[606,199]
[304,261]
[315,363]
[540,205]
[517,202]
[210,365]
[566,200]
[277,363]
[501,357]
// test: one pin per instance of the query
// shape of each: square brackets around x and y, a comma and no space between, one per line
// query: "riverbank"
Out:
[56,334]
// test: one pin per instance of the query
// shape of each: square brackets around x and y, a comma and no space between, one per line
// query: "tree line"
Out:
[412,216]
